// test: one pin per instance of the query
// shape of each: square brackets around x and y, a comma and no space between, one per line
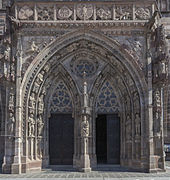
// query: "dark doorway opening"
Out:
[108,139]
[61,139]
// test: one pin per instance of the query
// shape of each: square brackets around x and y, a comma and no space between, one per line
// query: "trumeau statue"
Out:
[85,127]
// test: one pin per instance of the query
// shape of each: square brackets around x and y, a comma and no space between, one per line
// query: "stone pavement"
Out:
[101,173]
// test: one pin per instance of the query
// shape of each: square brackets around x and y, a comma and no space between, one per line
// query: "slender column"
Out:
[16,166]
[150,107]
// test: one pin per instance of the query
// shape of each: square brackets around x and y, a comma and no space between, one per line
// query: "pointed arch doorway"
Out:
[107,126]
[61,127]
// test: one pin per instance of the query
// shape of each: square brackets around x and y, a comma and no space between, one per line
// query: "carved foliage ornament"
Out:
[25,13]
[64,13]
[85,11]
[45,13]
[104,13]
[143,13]
[123,12]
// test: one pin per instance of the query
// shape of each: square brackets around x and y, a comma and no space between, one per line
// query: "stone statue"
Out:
[40,126]
[41,103]
[157,98]
[128,128]
[11,123]
[85,127]
[34,47]
[7,52]
[136,102]
[32,100]
[31,125]
[137,125]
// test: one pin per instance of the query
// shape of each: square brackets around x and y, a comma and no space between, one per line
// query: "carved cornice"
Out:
[84,12]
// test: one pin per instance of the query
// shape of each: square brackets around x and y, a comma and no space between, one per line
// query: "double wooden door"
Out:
[61,139]
[108,139]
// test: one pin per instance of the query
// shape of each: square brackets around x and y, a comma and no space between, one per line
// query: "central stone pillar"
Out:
[85,117]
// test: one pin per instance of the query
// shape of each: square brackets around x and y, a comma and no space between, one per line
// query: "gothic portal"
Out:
[83,84]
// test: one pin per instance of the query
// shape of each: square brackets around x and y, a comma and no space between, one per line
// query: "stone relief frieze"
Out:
[45,12]
[104,13]
[84,11]
[123,12]
[64,13]
[25,13]
[143,13]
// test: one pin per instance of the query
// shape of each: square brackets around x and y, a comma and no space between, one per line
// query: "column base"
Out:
[85,163]
[85,170]
[11,168]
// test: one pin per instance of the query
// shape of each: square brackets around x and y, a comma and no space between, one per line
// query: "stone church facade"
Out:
[84,83]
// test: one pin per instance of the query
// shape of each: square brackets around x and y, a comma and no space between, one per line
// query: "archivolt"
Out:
[48,64]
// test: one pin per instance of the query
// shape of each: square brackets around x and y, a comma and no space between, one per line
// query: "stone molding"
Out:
[84,11]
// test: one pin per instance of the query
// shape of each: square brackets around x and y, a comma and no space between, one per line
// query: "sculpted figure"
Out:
[157,98]
[41,102]
[31,124]
[137,125]
[11,123]
[7,52]
[32,100]
[128,128]
[85,127]
[136,102]
[40,126]
[34,47]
